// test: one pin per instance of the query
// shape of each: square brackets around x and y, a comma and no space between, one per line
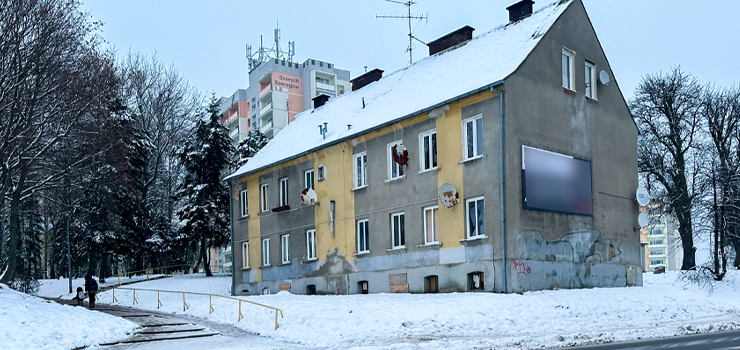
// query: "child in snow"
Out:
[80,296]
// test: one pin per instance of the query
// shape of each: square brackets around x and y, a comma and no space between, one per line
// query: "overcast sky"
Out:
[205,40]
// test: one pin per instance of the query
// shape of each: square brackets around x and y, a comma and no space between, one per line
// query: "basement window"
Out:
[311,289]
[362,287]
[431,284]
[475,281]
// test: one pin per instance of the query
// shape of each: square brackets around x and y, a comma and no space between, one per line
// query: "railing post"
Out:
[159,303]
[114,296]
[240,311]
[147,274]
[210,304]
[119,278]
[184,305]
[135,301]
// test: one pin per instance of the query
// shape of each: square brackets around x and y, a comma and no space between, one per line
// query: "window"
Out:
[428,150]
[285,251]
[398,233]
[321,169]
[362,287]
[311,245]
[656,232]
[266,252]
[475,281]
[656,242]
[264,205]
[360,165]
[431,225]
[590,80]
[245,255]
[657,252]
[657,262]
[476,214]
[472,137]
[283,191]
[568,69]
[395,170]
[243,203]
[363,237]
[308,179]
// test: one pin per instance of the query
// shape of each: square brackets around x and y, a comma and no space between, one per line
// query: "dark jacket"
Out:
[90,284]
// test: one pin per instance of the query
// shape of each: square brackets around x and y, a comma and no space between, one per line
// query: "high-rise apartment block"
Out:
[278,90]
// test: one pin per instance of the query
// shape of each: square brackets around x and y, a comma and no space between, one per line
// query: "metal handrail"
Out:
[185,306]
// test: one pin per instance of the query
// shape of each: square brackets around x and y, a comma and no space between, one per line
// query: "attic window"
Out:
[567,64]
[321,172]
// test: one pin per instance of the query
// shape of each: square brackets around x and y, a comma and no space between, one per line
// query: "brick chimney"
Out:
[520,10]
[366,78]
[457,37]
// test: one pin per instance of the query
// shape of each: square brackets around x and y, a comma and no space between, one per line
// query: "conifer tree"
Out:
[250,146]
[205,199]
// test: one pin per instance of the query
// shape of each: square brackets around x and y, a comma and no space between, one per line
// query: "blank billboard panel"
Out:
[556,182]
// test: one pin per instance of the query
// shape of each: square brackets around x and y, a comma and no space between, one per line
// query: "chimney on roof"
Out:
[366,78]
[320,100]
[455,38]
[520,10]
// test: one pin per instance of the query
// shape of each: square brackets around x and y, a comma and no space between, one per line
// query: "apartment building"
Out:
[501,163]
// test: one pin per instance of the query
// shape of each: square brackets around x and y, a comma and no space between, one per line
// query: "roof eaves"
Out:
[379,126]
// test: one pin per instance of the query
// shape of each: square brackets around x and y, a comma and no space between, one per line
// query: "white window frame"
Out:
[477,223]
[435,225]
[424,158]
[360,233]
[402,227]
[283,191]
[265,252]
[243,204]
[310,245]
[477,153]
[321,172]
[264,198]
[392,164]
[571,72]
[590,80]
[285,248]
[359,179]
[308,179]
[245,255]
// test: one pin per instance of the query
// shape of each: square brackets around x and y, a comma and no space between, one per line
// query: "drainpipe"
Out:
[501,185]
[231,233]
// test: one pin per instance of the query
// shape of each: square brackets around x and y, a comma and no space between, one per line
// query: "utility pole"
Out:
[69,258]
[409,17]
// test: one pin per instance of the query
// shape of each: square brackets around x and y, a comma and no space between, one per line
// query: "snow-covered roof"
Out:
[433,81]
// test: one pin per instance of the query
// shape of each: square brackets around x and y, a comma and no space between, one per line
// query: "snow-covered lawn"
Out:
[28,322]
[663,307]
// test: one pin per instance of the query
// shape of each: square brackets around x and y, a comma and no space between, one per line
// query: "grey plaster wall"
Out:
[539,112]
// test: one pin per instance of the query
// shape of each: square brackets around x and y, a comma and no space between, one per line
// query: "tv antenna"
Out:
[409,17]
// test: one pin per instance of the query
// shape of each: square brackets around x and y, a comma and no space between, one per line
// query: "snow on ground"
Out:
[59,288]
[28,322]
[665,306]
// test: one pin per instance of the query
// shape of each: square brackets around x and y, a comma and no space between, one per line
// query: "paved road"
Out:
[706,341]
[166,331]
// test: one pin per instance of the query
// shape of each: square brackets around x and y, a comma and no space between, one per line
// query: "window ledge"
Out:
[361,253]
[244,217]
[433,244]
[476,238]
[395,249]
[246,268]
[592,99]
[568,90]
[285,263]
[312,259]
[472,159]
[396,178]
[263,266]
[436,168]
[359,188]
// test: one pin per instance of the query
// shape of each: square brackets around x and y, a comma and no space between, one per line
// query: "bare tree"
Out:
[51,76]
[667,111]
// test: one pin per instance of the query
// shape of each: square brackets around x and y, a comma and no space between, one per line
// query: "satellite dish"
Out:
[400,154]
[643,196]
[643,220]
[604,78]
[448,195]
[308,196]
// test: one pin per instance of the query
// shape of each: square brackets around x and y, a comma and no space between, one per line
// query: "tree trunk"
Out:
[206,259]
[14,230]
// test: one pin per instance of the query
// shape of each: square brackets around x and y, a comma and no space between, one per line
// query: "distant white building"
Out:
[664,243]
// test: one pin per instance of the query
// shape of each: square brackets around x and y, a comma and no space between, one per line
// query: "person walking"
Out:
[91,287]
